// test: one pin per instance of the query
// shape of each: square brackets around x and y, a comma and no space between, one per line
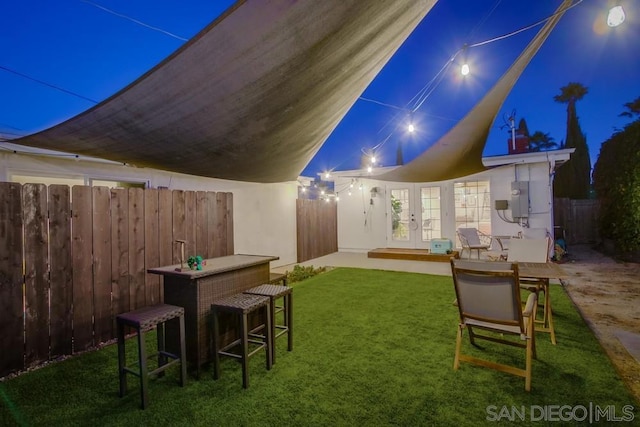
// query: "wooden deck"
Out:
[411,254]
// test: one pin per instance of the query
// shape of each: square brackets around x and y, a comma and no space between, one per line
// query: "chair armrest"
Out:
[530,306]
[485,239]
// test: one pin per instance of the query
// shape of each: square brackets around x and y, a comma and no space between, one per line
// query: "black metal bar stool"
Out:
[142,320]
[275,292]
[241,305]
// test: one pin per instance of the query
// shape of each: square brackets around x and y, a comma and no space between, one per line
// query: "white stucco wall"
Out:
[363,223]
[264,215]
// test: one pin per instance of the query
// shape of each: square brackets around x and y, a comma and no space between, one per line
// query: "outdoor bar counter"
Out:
[196,290]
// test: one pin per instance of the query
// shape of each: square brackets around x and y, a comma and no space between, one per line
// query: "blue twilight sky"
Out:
[77,46]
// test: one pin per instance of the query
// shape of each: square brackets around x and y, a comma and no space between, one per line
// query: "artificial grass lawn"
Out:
[371,348]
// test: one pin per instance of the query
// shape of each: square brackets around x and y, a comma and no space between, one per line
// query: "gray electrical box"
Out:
[520,199]
[502,205]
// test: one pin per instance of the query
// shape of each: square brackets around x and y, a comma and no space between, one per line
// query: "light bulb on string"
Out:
[411,128]
[616,16]
[464,68]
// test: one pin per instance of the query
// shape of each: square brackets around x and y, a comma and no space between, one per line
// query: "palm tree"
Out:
[633,108]
[571,93]
[541,141]
[573,179]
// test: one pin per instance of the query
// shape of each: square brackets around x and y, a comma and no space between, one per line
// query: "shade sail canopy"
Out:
[252,97]
[459,152]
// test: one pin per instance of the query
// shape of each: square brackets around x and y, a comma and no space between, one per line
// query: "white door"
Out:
[413,216]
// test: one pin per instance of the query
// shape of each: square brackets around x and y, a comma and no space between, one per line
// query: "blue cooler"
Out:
[440,246]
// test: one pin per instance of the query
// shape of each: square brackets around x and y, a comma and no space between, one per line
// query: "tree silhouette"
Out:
[573,179]
[633,108]
[541,141]
[616,178]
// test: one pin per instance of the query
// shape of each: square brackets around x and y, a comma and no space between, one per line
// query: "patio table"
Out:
[544,270]
[196,290]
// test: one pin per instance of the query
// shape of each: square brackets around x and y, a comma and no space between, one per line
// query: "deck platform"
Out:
[411,254]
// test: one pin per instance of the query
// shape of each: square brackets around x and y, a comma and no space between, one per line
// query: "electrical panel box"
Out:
[440,246]
[520,199]
[502,205]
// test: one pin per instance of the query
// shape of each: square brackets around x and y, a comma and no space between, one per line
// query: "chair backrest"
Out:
[528,250]
[534,233]
[469,236]
[488,292]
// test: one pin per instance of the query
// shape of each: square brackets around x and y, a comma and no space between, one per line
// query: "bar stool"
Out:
[241,305]
[275,278]
[142,320]
[275,292]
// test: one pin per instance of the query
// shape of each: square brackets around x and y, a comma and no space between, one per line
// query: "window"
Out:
[400,214]
[473,205]
[431,217]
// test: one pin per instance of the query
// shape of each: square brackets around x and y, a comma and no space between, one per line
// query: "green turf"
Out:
[371,348]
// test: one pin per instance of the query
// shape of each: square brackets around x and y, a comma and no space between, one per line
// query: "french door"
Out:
[414,215]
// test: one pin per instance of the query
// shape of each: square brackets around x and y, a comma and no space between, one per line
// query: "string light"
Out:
[616,17]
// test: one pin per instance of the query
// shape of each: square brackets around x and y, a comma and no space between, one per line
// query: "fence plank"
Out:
[212,223]
[120,251]
[165,227]
[151,254]
[178,225]
[230,250]
[102,314]
[190,223]
[61,270]
[202,225]
[36,279]
[221,224]
[82,237]
[136,248]
[11,314]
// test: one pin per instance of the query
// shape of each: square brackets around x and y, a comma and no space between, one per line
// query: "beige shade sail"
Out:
[252,97]
[459,152]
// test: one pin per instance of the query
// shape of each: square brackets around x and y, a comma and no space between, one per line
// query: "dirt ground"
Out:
[607,293]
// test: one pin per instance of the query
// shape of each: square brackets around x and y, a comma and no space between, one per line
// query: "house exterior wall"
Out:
[264,214]
[363,217]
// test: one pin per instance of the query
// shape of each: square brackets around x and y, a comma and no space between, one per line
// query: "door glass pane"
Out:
[431,219]
[400,214]
[473,205]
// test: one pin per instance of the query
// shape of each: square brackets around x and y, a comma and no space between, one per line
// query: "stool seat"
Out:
[275,278]
[142,320]
[241,305]
[275,292]
[150,316]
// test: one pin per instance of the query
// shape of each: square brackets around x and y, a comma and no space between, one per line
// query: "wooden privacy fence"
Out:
[71,259]
[317,228]
[579,218]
